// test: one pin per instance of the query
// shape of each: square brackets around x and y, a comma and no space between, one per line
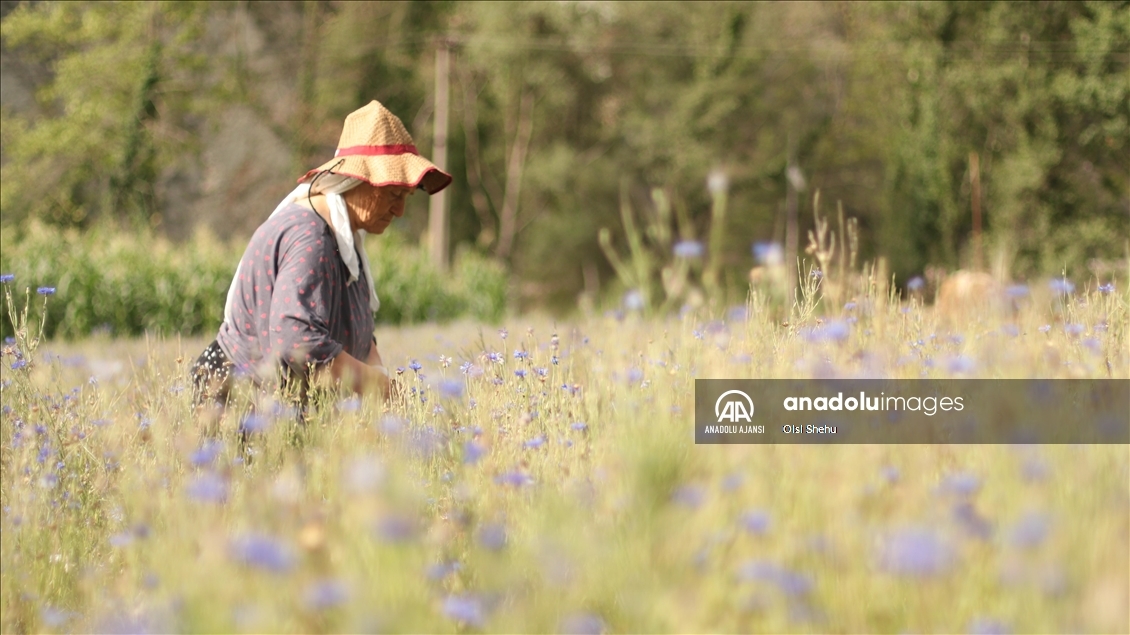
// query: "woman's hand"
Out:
[360,377]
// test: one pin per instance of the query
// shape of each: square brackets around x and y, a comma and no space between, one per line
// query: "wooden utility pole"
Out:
[794,182]
[975,182]
[437,205]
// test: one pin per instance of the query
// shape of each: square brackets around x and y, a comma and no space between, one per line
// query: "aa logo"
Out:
[733,406]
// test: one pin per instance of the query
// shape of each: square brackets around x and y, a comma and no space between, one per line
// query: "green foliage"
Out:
[411,290]
[1039,92]
[553,106]
[121,284]
[113,112]
[129,284]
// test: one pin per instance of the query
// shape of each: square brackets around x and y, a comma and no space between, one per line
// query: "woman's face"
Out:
[373,208]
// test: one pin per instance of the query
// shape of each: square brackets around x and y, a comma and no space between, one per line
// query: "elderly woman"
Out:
[300,307]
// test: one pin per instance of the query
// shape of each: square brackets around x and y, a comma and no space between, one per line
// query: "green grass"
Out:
[625,520]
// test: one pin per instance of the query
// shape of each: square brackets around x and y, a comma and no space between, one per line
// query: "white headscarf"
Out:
[332,186]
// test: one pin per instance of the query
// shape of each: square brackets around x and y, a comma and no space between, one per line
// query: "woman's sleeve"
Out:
[301,301]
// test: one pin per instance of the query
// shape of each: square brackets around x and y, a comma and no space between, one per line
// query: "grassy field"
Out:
[545,479]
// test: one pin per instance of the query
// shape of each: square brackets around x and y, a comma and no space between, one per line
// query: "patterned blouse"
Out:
[292,304]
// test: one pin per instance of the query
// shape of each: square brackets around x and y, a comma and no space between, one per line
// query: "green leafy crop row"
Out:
[129,284]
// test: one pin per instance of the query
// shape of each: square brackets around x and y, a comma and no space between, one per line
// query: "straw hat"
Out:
[376,148]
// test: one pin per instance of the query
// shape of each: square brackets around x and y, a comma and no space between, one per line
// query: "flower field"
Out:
[543,477]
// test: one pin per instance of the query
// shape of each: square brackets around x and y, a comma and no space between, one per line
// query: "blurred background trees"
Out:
[173,116]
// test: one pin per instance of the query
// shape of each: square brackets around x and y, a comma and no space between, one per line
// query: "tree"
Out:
[111,114]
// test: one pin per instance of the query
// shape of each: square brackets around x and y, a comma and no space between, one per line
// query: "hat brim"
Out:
[405,170]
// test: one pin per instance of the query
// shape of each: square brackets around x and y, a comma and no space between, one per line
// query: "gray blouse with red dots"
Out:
[292,303]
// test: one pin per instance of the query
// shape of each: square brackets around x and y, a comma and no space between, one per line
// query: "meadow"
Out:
[542,477]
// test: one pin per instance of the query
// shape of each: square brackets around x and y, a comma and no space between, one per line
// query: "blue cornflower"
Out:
[427,441]
[961,484]
[553,360]
[633,300]
[18,364]
[396,529]
[1034,470]
[755,521]
[7,277]
[987,626]
[542,372]
[492,537]
[1045,328]
[915,552]
[465,608]
[391,424]
[521,355]
[45,290]
[521,372]
[121,540]
[833,331]
[768,254]
[53,617]
[1106,288]
[916,283]
[495,357]
[262,552]
[972,522]
[465,367]
[415,365]
[441,570]
[207,488]
[1074,329]
[1031,530]
[1061,286]
[253,423]
[732,481]
[961,365]
[850,306]
[514,479]
[816,274]
[503,333]
[207,453]
[689,249]
[689,496]
[581,624]
[324,594]
[472,452]
[1017,291]
[535,442]
[451,388]
[579,426]
[790,583]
